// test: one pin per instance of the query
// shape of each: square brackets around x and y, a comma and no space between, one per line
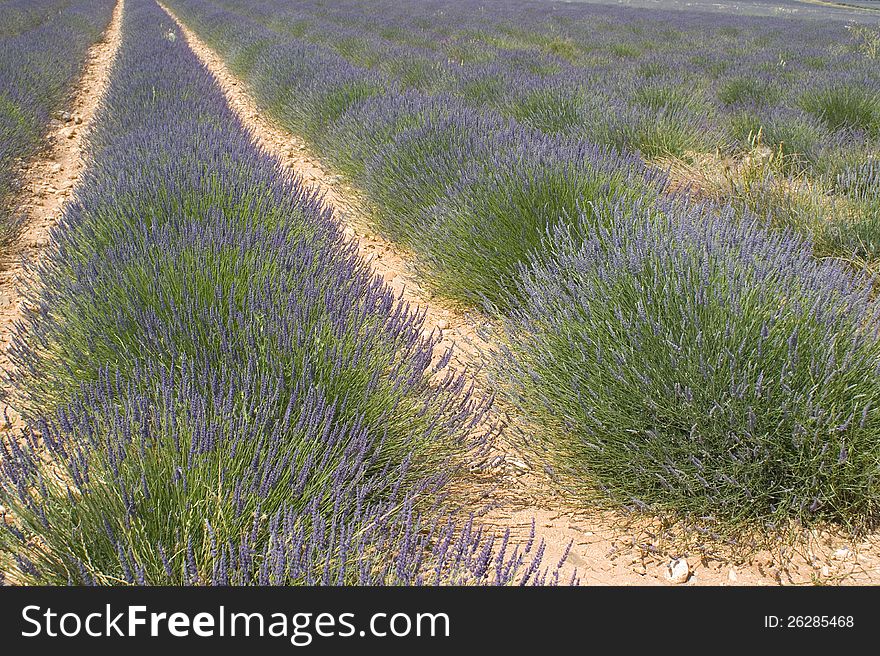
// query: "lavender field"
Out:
[665,221]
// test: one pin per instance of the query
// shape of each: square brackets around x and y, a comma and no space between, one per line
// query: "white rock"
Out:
[841,554]
[442,324]
[678,571]
[731,575]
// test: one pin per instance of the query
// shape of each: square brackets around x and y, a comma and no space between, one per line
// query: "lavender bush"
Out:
[860,235]
[42,47]
[497,216]
[218,390]
[685,361]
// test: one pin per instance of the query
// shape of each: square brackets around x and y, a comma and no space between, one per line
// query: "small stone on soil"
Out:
[678,571]
[841,554]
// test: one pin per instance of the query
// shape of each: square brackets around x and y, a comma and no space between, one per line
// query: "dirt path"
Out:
[49,181]
[604,551]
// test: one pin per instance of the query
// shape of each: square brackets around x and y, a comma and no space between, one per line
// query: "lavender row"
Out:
[219,391]
[43,45]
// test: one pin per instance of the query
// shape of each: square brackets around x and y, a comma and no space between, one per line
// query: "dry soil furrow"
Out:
[603,552]
[49,181]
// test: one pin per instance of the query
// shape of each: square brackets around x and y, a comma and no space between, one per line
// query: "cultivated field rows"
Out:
[341,324]
[604,548]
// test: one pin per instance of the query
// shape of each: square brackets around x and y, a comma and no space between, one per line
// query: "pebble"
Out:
[731,575]
[77,120]
[678,571]
[442,324]
[66,117]
[841,554]
[56,168]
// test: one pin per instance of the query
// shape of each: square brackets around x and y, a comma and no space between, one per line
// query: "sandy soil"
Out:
[605,549]
[49,181]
